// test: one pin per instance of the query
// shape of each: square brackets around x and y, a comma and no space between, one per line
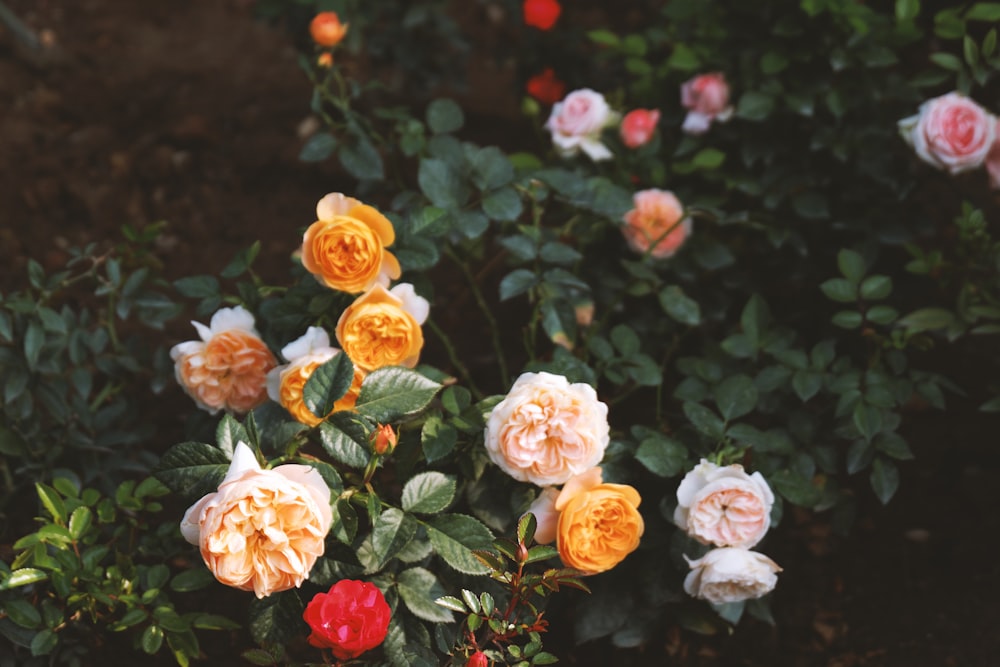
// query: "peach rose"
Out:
[382,327]
[286,383]
[576,124]
[724,506]
[546,430]
[227,368]
[656,225]
[638,126]
[546,515]
[706,97]
[263,529]
[327,30]
[730,574]
[950,132]
[345,247]
[599,524]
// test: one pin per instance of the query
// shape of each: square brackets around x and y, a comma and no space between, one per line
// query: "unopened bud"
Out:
[384,440]
[327,30]
[325,60]
[478,659]
[522,552]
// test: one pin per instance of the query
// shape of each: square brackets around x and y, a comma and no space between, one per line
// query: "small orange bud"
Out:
[385,440]
[325,59]
[327,30]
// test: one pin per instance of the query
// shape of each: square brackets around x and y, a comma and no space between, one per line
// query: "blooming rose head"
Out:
[546,430]
[724,506]
[546,515]
[345,247]
[576,124]
[599,524]
[353,617]
[950,132]
[993,160]
[263,530]
[545,87]
[655,225]
[731,574]
[327,30]
[706,97]
[227,368]
[382,327]
[638,126]
[541,14]
[285,384]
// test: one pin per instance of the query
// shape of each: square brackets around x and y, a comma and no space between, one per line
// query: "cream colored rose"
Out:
[345,247]
[724,506]
[730,574]
[546,515]
[546,430]
[227,368]
[263,530]
[382,327]
[576,124]
[285,384]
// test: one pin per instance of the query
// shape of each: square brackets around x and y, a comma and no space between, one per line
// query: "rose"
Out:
[478,659]
[545,87]
[382,327]
[345,247]
[263,529]
[576,124]
[541,14]
[950,132]
[993,160]
[655,225]
[546,430]
[353,617]
[723,505]
[327,30]
[706,97]
[286,383]
[384,439]
[599,524]
[227,368]
[546,515]
[731,574]
[638,126]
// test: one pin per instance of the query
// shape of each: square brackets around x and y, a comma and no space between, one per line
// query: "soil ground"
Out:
[188,112]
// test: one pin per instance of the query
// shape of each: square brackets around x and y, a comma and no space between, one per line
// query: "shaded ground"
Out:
[188,112]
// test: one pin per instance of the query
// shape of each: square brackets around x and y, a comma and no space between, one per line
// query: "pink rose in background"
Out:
[655,225]
[950,132]
[638,126]
[993,160]
[576,124]
[723,505]
[731,575]
[546,515]
[706,97]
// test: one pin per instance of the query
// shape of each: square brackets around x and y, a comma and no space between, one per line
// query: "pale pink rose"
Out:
[263,530]
[731,575]
[638,126]
[546,515]
[950,132]
[227,368]
[993,160]
[655,225]
[706,97]
[723,505]
[546,430]
[576,124]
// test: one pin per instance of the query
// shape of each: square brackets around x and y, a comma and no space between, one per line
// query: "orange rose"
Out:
[327,30]
[655,225]
[382,327]
[599,524]
[345,247]
[227,368]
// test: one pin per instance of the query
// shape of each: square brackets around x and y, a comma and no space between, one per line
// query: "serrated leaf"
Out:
[662,455]
[327,384]
[517,282]
[679,306]
[419,589]
[345,441]
[454,536]
[277,618]
[736,396]
[450,602]
[704,420]
[428,493]
[192,469]
[230,433]
[884,479]
[392,531]
[391,393]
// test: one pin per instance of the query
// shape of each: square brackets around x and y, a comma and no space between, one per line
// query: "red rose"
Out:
[349,620]
[478,659]
[541,14]
[545,87]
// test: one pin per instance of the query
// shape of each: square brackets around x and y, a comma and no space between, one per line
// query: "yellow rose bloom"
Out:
[382,328]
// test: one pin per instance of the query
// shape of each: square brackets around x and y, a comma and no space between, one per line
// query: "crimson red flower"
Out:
[349,620]
[545,87]
[478,659]
[541,14]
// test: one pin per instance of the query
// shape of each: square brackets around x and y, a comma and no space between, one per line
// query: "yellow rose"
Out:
[599,524]
[263,530]
[382,327]
[345,247]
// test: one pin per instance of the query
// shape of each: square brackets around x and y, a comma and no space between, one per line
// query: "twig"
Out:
[20,30]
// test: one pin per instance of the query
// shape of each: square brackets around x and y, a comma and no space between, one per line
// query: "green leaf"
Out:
[277,618]
[44,642]
[926,319]
[437,439]
[393,530]
[194,579]
[79,521]
[679,306]
[345,521]
[52,502]
[198,287]
[328,384]
[708,158]
[517,282]
[907,10]
[454,536]
[603,37]
[806,384]
[867,419]
[662,455]
[440,183]
[881,314]
[970,51]
[419,590]
[444,115]
[451,602]
[839,289]
[851,265]
[391,393]
[22,577]
[847,319]
[704,420]
[192,469]
[230,433]
[318,148]
[736,396]
[884,479]
[491,169]
[343,446]
[428,493]
[503,204]
[34,339]
[151,639]
[361,159]
[876,287]
[755,105]
[984,11]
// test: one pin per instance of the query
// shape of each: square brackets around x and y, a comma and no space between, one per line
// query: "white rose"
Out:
[576,124]
[724,506]
[731,575]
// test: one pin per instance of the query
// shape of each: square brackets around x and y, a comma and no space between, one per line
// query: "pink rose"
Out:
[576,124]
[993,160]
[655,225]
[950,132]
[724,506]
[731,575]
[546,514]
[706,97]
[638,126]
